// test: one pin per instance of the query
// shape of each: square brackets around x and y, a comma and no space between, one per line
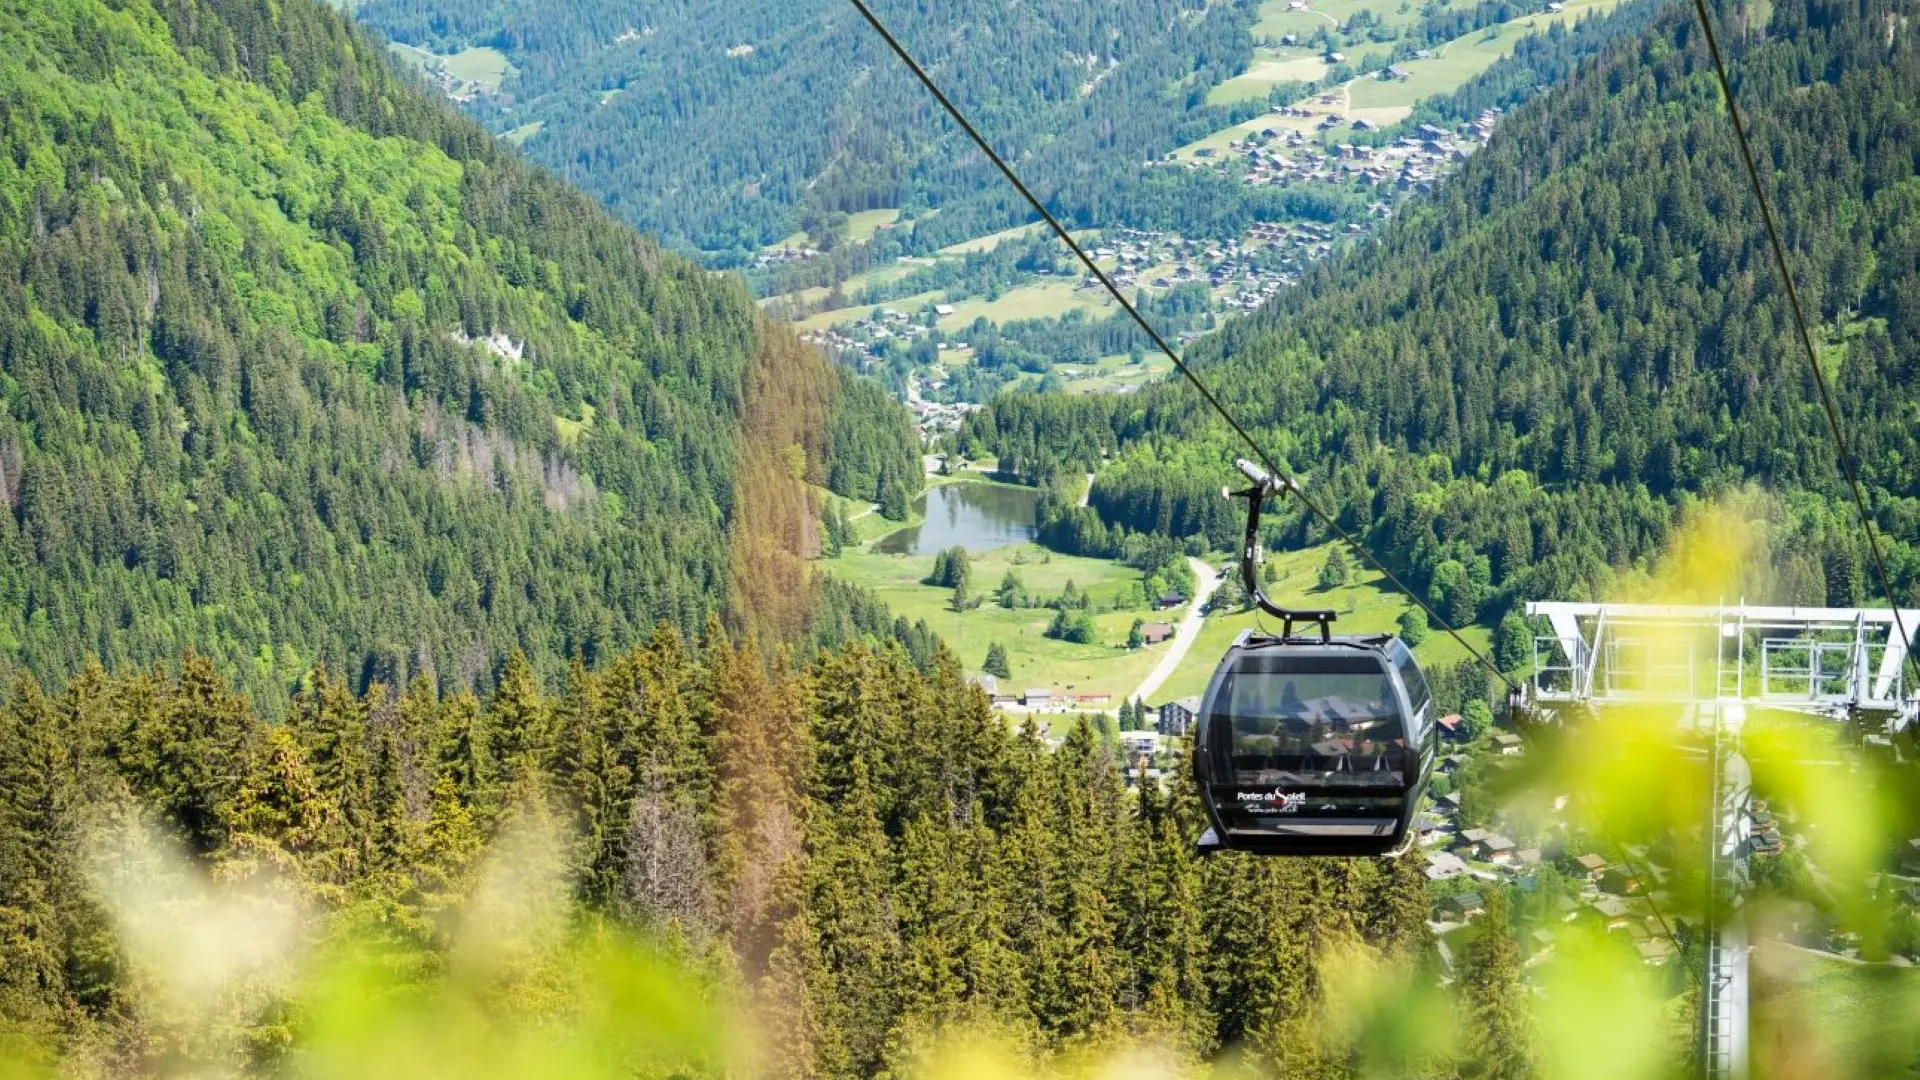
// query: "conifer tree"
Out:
[1010,592]
[858,977]
[518,717]
[1335,571]
[34,842]
[1496,1006]
[997,663]
[332,724]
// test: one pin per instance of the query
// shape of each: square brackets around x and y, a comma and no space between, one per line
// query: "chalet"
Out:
[988,685]
[1508,743]
[1470,839]
[1444,866]
[1140,742]
[1614,912]
[1176,717]
[1036,699]
[1592,865]
[1460,908]
[1453,728]
[1448,803]
[1768,843]
[1394,73]
[1527,856]
[1451,764]
[1289,39]
[1097,701]
[1336,58]
[1169,601]
[1432,131]
[1494,849]
[1155,633]
[1364,124]
[1619,881]
[943,310]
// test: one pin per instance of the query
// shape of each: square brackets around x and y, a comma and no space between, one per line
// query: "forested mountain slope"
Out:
[297,367]
[1517,389]
[725,126]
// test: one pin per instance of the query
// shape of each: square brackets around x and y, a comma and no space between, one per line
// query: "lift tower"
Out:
[1712,664]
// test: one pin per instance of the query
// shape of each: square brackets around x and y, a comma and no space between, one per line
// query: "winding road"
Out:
[1184,635]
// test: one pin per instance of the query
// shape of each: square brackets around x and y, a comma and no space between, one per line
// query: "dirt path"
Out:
[1185,634]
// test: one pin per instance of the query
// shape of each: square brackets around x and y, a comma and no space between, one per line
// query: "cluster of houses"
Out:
[1607,893]
[782,256]
[871,335]
[458,90]
[1154,261]
[1412,163]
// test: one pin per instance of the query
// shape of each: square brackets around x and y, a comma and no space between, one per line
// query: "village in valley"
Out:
[1346,132]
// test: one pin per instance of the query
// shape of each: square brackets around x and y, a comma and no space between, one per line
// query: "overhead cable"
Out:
[1160,342]
[1820,380]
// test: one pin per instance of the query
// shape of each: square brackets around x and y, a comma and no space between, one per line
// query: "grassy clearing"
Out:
[1045,299]
[1271,67]
[485,67]
[1375,607]
[1038,661]
[1834,1018]
[1276,22]
[862,226]
[519,136]
[994,240]
[1367,97]
[1110,374]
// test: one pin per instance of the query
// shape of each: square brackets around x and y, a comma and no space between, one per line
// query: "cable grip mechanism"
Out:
[1266,485]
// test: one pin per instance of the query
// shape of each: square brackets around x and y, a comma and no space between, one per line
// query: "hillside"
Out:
[1517,390]
[682,117]
[300,368]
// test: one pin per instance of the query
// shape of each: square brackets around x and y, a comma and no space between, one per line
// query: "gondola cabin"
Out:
[1317,746]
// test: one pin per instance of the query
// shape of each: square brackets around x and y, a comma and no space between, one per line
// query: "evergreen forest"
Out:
[299,368]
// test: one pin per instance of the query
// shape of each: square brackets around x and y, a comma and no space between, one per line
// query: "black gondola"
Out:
[1311,745]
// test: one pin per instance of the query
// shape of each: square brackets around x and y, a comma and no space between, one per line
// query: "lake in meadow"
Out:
[978,517]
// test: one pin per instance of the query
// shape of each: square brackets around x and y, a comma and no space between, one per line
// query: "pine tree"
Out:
[518,715]
[1010,592]
[997,663]
[1498,1037]
[1162,928]
[857,980]
[893,500]
[1335,571]
[34,845]
[332,724]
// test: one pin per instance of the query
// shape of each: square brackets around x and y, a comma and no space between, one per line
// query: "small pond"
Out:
[978,517]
